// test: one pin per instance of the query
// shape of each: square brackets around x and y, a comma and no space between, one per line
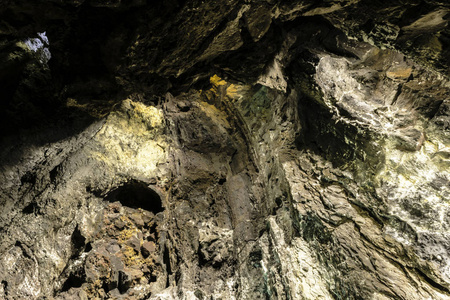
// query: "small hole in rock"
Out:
[28,177]
[30,208]
[136,194]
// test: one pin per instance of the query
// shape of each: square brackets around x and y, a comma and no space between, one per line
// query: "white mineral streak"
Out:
[300,266]
[14,263]
[406,175]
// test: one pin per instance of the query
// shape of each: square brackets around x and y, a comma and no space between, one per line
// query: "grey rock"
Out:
[225,150]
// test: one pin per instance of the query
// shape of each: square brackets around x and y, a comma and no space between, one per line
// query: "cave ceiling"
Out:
[224,149]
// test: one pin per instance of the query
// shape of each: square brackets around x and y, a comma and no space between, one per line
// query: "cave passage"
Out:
[136,194]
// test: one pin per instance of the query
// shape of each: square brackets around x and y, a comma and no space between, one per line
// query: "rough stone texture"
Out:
[232,150]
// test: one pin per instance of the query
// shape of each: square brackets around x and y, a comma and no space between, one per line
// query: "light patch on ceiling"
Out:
[40,46]
[131,140]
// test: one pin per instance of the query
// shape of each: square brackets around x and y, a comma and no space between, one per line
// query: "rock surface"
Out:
[232,150]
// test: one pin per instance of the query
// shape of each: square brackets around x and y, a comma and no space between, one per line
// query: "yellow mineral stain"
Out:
[131,258]
[217,81]
[232,91]
[148,114]
[131,139]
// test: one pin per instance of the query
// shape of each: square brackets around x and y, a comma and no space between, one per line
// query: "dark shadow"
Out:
[136,194]
[87,45]
[75,280]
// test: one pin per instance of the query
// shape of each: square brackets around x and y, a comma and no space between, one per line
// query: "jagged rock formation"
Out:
[232,150]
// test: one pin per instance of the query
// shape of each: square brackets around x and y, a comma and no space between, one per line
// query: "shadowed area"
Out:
[136,194]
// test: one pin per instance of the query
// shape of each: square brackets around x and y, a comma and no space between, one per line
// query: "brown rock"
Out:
[137,219]
[148,248]
[399,73]
[134,243]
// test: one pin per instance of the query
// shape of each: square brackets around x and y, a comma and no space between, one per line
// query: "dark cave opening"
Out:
[136,194]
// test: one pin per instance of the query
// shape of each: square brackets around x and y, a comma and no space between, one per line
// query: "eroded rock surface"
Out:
[233,150]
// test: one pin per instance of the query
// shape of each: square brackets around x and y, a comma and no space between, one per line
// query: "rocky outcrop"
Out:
[233,150]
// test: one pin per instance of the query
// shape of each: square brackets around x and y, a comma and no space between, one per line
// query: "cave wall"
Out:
[233,150]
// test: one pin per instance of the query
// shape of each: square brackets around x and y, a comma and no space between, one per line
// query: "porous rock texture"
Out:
[224,149]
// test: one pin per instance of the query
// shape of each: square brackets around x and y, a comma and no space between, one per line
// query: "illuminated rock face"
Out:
[232,150]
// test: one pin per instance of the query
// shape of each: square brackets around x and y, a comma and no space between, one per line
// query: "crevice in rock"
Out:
[5,287]
[166,260]
[397,94]
[75,280]
[124,282]
[78,241]
[54,173]
[432,282]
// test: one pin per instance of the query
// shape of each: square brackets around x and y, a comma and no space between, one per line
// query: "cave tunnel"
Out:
[136,194]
